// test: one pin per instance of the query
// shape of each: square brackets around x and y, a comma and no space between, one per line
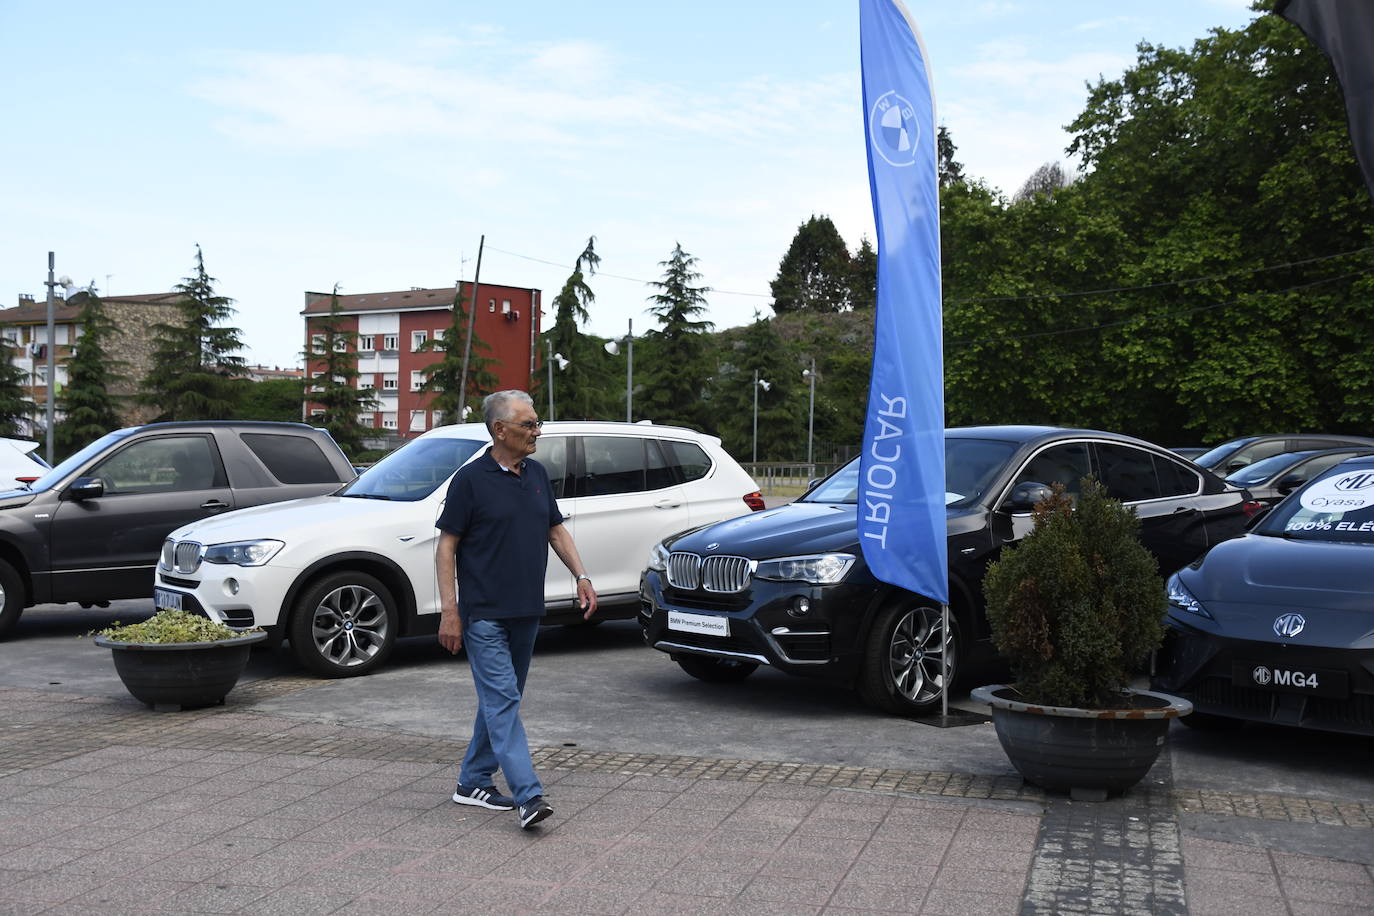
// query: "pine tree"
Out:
[195,362]
[676,367]
[333,349]
[814,274]
[16,410]
[863,276]
[578,387]
[89,410]
[444,379]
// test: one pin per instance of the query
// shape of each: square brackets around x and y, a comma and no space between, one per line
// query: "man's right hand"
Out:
[451,632]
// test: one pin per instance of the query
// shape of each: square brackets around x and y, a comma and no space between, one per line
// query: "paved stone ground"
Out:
[107,807]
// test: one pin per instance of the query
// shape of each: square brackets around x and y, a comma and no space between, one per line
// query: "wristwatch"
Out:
[583,576]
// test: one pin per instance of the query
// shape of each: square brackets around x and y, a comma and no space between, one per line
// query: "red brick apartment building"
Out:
[388,329]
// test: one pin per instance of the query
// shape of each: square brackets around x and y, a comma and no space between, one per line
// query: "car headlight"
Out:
[1181,598]
[242,553]
[821,569]
[658,557]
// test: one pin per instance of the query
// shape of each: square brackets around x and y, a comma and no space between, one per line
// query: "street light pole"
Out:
[549,362]
[811,414]
[52,359]
[629,371]
[756,416]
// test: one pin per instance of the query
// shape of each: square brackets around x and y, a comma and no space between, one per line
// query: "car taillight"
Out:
[26,480]
[1251,507]
[754,501]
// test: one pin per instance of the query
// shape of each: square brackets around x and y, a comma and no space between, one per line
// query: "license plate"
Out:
[164,600]
[1319,682]
[705,624]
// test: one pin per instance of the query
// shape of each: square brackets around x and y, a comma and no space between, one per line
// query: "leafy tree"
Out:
[89,410]
[781,413]
[1047,180]
[444,378]
[194,362]
[580,387]
[863,276]
[814,274]
[277,399]
[332,363]
[676,370]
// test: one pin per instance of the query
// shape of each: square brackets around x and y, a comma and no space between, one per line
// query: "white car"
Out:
[343,576]
[19,463]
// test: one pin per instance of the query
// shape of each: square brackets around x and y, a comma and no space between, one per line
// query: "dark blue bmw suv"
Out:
[789,587]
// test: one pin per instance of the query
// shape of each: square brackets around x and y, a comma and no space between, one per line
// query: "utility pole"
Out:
[472,318]
[52,359]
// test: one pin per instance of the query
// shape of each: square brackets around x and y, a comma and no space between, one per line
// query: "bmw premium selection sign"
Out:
[902,466]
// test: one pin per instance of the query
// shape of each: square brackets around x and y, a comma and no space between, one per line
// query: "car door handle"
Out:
[1191,510]
[667,504]
[567,517]
[214,505]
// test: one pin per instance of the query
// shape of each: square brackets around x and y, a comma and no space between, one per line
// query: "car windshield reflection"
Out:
[1338,506]
[1253,475]
[414,470]
[971,466]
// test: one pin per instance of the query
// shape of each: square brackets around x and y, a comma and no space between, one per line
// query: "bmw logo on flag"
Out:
[893,130]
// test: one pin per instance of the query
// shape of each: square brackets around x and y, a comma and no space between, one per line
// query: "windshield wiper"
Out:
[367,496]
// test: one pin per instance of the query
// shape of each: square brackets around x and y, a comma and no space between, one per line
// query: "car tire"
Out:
[901,659]
[1210,723]
[11,598]
[344,625]
[715,670]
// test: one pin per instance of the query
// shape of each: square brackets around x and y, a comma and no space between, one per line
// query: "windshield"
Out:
[414,470]
[971,465]
[1252,475]
[1217,455]
[1338,506]
[74,463]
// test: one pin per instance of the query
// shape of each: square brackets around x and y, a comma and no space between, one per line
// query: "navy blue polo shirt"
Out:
[503,521]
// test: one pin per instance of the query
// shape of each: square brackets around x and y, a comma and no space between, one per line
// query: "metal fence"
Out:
[784,478]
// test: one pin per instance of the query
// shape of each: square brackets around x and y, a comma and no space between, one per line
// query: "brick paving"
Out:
[107,807]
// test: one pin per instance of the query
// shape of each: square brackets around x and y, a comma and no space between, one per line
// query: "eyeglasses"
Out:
[526,424]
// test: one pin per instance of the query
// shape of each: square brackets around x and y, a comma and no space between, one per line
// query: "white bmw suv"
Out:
[343,576]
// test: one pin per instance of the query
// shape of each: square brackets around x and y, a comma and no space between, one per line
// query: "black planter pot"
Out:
[184,674]
[1089,753]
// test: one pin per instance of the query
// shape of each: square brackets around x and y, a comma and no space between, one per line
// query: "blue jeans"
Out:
[499,653]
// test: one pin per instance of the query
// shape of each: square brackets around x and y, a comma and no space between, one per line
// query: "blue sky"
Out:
[372,145]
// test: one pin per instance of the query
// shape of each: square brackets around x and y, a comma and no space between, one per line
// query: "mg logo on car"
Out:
[1289,625]
[1262,676]
[1355,481]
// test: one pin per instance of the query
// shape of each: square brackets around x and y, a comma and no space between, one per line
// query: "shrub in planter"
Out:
[178,659]
[1078,605]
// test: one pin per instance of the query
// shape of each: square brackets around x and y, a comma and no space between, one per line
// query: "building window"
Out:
[417,379]
[417,421]
[391,342]
[367,419]
[340,344]
[317,411]
[316,343]
[389,383]
[365,382]
[505,306]
[491,305]
[367,342]
[417,340]
[441,333]
[388,421]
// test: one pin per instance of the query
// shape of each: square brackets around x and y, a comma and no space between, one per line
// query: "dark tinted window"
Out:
[1128,473]
[1067,464]
[690,459]
[1174,478]
[660,471]
[1252,453]
[291,459]
[552,453]
[611,464]
[164,464]
[971,466]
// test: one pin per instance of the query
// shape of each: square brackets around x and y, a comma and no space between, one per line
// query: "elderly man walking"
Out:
[499,520]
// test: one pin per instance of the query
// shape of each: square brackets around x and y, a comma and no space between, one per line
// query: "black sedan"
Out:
[1278,626]
[1271,479]
[789,587]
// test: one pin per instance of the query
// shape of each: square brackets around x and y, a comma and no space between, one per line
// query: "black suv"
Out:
[90,529]
[789,587]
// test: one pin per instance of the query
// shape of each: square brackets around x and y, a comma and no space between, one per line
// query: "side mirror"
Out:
[1232,467]
[1026,494]
[86,488]
[1290,482]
